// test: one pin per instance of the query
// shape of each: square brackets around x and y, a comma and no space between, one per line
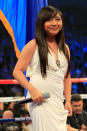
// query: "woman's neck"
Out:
[50,39]
[52,45]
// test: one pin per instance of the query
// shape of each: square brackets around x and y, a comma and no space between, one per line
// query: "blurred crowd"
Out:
[76,38]
[12,110]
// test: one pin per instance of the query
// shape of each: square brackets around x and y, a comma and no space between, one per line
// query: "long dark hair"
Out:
[44,15]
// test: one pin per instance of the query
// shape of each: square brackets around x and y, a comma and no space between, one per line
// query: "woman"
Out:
[46,59]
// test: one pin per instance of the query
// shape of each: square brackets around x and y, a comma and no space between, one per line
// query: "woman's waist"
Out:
[54,97]
[55,103]
[47,84]
[49,77]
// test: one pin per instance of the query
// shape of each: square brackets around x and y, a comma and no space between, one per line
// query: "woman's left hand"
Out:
[69,108]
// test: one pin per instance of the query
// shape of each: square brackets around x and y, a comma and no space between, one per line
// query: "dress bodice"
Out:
[34,66]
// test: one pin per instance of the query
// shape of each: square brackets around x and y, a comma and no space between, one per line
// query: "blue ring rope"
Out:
[17,119]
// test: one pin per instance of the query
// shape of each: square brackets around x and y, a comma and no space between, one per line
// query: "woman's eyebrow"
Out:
[57,16]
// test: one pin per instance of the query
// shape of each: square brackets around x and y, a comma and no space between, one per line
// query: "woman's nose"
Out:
[54,23]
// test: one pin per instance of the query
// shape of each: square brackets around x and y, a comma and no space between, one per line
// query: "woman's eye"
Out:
[58,19]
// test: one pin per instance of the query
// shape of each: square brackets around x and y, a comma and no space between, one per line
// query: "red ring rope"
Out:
[8,81]
[13,81]
[78,80]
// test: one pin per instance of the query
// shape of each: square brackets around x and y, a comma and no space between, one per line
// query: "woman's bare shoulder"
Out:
[28,50]
[31,44]
[67,46]
[67,49]
[30,47]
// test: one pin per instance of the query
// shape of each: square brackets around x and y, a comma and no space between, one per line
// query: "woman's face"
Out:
[53,26]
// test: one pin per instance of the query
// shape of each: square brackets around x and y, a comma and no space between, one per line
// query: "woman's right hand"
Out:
[36,95]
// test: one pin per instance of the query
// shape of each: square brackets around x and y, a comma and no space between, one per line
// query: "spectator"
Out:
[78,119]
[10,126]
[26,126]
[1,109]
[7,114]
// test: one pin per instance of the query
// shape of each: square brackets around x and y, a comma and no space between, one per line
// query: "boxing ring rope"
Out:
[8,81]
[78,80]
[17,119]
[13,81]
[16,99]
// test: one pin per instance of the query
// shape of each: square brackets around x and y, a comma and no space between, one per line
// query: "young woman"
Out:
[46,59]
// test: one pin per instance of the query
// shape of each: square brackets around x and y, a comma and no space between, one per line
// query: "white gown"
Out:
[50,115]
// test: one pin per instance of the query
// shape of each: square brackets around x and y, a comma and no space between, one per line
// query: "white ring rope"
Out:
[15,99]
[11,99]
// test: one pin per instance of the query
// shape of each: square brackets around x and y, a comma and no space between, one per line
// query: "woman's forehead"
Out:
[57,15]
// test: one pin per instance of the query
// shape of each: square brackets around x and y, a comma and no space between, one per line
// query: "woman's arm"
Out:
[67,93]
[21,65]
[67,90]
